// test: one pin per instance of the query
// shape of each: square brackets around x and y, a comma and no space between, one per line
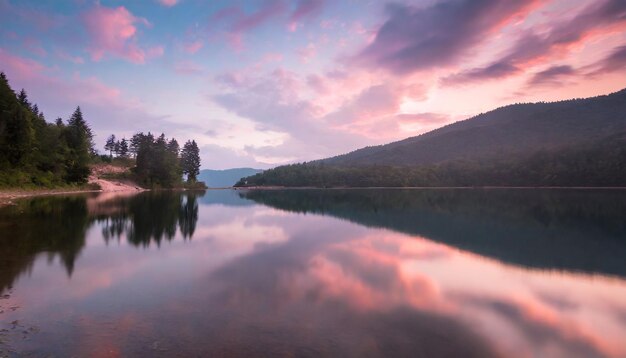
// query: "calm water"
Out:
[458,273]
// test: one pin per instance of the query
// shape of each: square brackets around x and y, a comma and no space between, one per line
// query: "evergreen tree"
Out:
[190,160]
[17,127]
[157,161]
[80,143]
[123,148]
[144,154]
[135,142]
[22,98]
[110,145]
[116,148]
[171,162]
[173,147]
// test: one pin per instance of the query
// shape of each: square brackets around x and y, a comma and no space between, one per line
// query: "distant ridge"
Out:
[225,178]
[512,129]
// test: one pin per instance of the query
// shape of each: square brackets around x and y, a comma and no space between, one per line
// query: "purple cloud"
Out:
[306,8]
[615,61]
[495,70]
[239,22]
[532,47]
[556,75]
[552,76]
[419,38]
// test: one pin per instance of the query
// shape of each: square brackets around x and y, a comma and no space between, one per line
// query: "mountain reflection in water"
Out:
[310,272]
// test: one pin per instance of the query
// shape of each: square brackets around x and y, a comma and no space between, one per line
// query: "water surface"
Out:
[472,273]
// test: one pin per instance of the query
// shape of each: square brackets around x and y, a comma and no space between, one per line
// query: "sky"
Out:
[261,83]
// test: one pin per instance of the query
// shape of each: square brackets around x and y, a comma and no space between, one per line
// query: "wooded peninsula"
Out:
[35,153]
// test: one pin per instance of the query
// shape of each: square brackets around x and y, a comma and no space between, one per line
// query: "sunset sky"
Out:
[262,83]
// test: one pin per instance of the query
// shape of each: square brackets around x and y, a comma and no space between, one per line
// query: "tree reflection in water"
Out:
[54,225]
[58,226]
[144,219]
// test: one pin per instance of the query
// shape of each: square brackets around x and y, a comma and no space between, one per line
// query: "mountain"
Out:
[511,130]
[578,142]
[225,178]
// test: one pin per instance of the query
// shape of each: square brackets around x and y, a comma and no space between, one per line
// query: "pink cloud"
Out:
[57,96]
[235,41]
[533,48]
[187,68]
[236,21]
[272,57]
[193,47]
[113,31]
[307,53]
[156,51]
[239,21]
[67,57]
[304,9]
[292,27]
[34,46]
[168,3]
[418,38]
[31,74]
[42,20]
[19,66]
[321,114]
[317,84]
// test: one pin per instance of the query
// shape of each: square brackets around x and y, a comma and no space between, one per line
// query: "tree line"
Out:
[159,161]
[34,152]
[600,163]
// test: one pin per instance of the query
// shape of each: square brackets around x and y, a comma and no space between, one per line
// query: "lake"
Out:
[350,273]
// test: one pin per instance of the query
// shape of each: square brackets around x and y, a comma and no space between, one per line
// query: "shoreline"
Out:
[433,187]
[8,196]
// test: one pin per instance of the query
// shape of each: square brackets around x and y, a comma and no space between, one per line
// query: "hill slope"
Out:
[514,129]
[225,178]
[578,142]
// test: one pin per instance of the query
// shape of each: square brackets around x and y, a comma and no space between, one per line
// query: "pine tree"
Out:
[116,148]
[80,143]
[144,154]
[135,142]
[77,122]
[190,160]
[110,145]
[16,127]
[123,148]
[173,147]
[22,98]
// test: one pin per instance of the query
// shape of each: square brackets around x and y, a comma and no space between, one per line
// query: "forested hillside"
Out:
[514,129]
[34,152]
[571,143]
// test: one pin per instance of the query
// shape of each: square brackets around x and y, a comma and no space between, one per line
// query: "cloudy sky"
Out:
[265,82]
